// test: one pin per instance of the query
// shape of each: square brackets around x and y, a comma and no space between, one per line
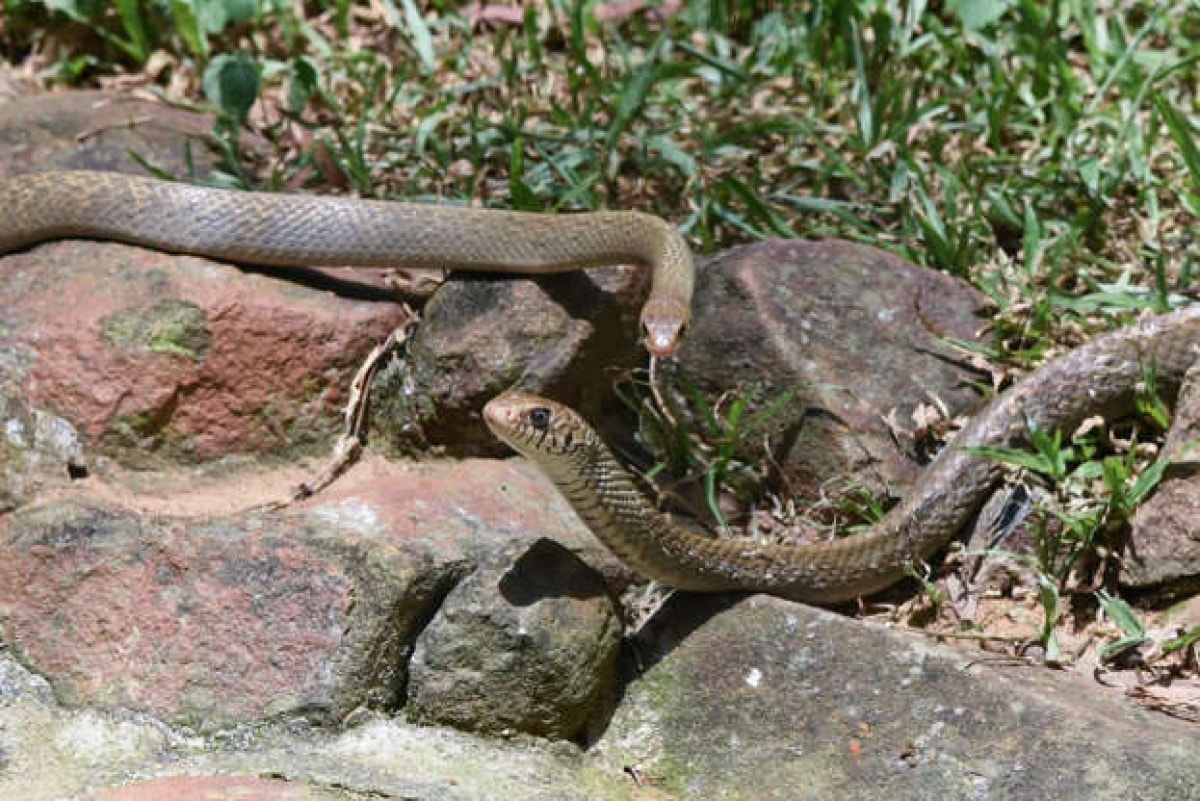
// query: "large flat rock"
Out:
[771,700]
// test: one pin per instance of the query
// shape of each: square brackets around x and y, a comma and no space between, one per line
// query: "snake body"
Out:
[300,230]
[1103,376]
[304,230]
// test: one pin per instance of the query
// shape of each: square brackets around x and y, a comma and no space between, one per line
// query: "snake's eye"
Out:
[539,418]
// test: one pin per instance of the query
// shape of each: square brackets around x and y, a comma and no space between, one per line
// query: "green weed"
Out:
[713,443]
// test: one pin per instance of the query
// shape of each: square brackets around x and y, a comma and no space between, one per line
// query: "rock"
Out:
[197,622]
[560,335]
[207,788]
[1164,543]
[39,451]
[48,754]
[1164,547]
[311,611]
[90,130]
[770,700]
[161,358]
[166,359]
[531,648]
[855,332]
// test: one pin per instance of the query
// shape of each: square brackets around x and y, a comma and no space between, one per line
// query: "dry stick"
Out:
[132,122]
[350,445]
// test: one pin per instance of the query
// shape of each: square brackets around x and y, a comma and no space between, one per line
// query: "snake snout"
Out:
[663,325]
[497,413]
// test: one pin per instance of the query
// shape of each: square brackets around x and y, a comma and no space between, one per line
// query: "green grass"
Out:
[1044,151]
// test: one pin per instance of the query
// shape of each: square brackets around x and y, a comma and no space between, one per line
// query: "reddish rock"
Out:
[200,622]
[313,610]
[155,357]
[164,357]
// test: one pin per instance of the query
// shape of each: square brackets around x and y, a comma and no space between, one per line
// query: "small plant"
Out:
[719,450]
[1188,643]
[231,83]
[1127,621]
[1149,646]
[929,588]
[1073,471]
[1079,513]
[136,29]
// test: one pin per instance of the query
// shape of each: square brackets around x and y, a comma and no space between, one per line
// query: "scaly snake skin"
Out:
[304,230]
[1101,377]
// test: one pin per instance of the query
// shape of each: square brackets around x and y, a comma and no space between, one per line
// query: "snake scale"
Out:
[298,230]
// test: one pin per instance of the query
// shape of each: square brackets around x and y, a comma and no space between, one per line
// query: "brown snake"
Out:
[304,230]
[301,230]
[1103,376]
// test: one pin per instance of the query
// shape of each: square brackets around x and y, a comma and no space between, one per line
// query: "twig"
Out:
[350,445]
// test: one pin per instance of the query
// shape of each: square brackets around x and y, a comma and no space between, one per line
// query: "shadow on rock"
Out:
[547,570]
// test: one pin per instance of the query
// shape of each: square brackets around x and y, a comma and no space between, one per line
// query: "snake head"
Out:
[534,427]
[664,321]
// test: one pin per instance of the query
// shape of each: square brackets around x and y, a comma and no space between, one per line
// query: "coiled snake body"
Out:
[1103,376]
[304,230]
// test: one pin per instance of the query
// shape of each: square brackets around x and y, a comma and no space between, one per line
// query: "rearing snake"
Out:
[1102,376]
[289,230]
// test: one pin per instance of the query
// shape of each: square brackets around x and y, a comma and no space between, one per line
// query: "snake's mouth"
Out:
[664,323]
